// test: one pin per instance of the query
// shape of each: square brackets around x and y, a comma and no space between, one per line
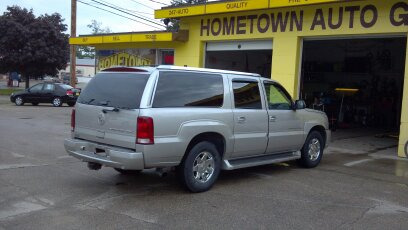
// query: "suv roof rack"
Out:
[172,67]
[149,69]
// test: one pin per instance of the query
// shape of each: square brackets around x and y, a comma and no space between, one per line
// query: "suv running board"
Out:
[259,160]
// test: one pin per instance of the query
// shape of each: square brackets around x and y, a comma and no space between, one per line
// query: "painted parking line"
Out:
[16,166]
[352,163]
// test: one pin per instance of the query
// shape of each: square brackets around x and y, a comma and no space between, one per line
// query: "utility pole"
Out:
[73,50]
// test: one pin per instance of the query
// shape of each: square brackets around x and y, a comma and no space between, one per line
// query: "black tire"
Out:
[127,172]
[71,104]
[19,101]
[312,160]
[34,103]
[57,102]
[203,150]
[406,149]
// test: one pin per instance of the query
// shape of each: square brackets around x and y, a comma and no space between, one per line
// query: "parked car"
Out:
[49,92]
[201,121]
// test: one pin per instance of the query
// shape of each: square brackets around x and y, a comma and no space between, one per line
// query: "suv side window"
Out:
[277,97]
[246,95]
[184,89]
[37,88]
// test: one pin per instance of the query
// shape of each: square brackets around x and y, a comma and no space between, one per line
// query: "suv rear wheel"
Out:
[56,102]
[312,150]
[200,168]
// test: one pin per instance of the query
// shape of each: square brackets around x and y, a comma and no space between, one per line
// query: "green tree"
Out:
[88,51]
[32,46]
[174,24]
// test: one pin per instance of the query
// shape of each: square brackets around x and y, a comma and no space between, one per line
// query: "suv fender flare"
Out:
[191,129]
[314,125]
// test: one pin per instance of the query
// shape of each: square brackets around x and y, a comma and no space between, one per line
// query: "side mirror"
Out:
[299,104]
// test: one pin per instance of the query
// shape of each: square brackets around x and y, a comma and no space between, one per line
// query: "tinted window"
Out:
[277,97]
[246,95]
[49,87]
[121,90]
[36,88]
[183,89]
[66,87]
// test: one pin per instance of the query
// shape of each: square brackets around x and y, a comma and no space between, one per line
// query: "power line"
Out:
[134,11]
[159,2]
[153,22]
[118,14]
[142,4]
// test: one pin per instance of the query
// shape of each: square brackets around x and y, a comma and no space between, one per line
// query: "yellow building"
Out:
[345,57]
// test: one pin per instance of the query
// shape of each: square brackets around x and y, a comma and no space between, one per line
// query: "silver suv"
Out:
[199,120]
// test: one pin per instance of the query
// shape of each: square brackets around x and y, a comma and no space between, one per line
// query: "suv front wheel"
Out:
[200,168]
[312,150]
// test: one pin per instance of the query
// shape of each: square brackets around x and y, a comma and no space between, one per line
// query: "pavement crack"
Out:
[358,218]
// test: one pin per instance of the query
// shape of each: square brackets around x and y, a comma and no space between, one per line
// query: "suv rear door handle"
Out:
[241,119]
[272,118]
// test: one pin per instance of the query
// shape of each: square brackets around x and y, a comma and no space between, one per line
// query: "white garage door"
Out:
[239,45]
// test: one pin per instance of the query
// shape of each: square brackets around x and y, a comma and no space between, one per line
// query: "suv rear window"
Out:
[184,89]
[120,90]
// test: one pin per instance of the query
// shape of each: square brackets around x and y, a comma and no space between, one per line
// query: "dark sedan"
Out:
[54,93]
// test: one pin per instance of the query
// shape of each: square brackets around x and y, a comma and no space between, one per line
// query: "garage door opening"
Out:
[243,56]
[357,82]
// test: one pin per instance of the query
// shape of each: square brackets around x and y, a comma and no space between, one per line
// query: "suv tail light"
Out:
[73,120]
[70,93]
[145,131]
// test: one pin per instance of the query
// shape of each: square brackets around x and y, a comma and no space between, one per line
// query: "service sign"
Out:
[119,38]
[180,12]
[356,15]
[232,6]
[236,6]
[288,3]
[151,37]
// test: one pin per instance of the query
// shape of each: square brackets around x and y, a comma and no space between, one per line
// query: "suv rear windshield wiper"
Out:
[115,109]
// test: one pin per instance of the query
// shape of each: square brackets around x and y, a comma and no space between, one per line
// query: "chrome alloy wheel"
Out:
[314,149]
[203,167]
[19,101]
[56,101]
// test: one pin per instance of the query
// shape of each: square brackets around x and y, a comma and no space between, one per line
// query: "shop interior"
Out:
[357,82]
[252,61]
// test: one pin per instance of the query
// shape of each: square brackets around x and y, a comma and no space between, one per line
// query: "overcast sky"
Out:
[87,13]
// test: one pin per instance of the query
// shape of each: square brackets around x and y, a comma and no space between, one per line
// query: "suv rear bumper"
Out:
[104,154]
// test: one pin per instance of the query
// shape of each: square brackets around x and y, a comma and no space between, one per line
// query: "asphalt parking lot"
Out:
[360,184]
